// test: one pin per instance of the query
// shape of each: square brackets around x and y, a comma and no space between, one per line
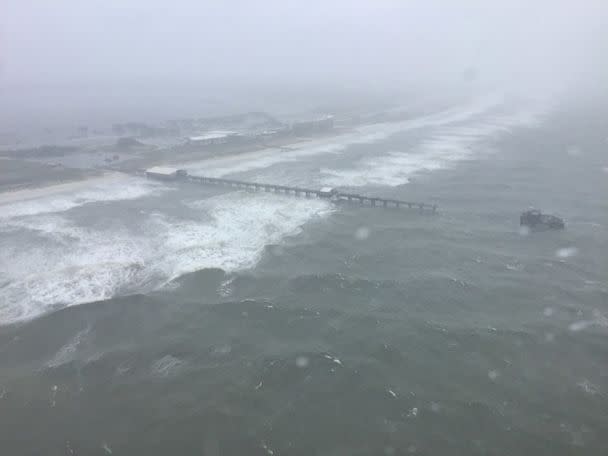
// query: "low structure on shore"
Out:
[214,137]
[327,192]
[318,125]
[128,141]
[165,173]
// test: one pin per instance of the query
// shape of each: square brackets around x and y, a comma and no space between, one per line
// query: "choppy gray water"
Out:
[250,324]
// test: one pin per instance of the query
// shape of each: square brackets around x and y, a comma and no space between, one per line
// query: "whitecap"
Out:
[167,366]
[67,352]
[88,264]
[367,134]
[115,189]
[447,145]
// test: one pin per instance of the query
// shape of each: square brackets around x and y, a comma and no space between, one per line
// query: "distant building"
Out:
[327,192]
[165,173]
[307,127]
[213,137]
[142,130]
[127,142]
[275,132]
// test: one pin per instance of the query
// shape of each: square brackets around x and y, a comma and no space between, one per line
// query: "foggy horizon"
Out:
[304,228]
[359,44]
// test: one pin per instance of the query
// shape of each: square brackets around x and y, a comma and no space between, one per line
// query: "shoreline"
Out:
[33,191]
[41,181]
[171,157]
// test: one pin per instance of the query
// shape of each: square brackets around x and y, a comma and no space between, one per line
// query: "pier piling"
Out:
[331,195]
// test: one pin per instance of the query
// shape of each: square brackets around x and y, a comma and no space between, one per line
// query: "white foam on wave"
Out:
[87,264]
[90,265]
[51,226]
[368,134]
[66,263]
[241,226]
[447,145]
[167,366]
[111,189]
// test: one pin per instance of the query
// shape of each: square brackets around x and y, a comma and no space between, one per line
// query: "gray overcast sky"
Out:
[64,42]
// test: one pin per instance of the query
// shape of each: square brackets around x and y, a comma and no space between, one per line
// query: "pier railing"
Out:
[330,194]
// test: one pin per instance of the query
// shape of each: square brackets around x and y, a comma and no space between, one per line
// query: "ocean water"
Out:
[146,318]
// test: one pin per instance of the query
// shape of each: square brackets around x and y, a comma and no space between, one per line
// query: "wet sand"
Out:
[38,189]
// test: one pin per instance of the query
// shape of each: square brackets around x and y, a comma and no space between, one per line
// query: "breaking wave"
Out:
[368,134]
[96,264]
[447,145]
[115,189]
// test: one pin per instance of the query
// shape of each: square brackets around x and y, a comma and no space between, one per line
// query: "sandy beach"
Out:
[34,191]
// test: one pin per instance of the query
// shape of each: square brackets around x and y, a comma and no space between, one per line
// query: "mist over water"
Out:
[122,253]
[141,316]
[78,63]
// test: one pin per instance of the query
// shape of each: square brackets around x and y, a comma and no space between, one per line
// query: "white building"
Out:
[327,192]
[311,126]
[213,137]
[165,173]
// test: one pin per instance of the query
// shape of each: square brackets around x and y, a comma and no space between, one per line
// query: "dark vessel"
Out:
[535,220]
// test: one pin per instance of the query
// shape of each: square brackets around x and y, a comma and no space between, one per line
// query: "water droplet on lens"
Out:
[566,252]
[362,233]
[222,350]
[580,325]
[389,451]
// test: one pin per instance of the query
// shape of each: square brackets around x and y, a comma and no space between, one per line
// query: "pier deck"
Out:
[331,194]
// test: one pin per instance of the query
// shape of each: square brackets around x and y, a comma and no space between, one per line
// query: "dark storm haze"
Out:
[146,311]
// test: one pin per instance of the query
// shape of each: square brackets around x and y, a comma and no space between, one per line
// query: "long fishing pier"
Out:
[324,193]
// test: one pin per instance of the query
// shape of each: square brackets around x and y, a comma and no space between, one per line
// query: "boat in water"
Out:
[537,221]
